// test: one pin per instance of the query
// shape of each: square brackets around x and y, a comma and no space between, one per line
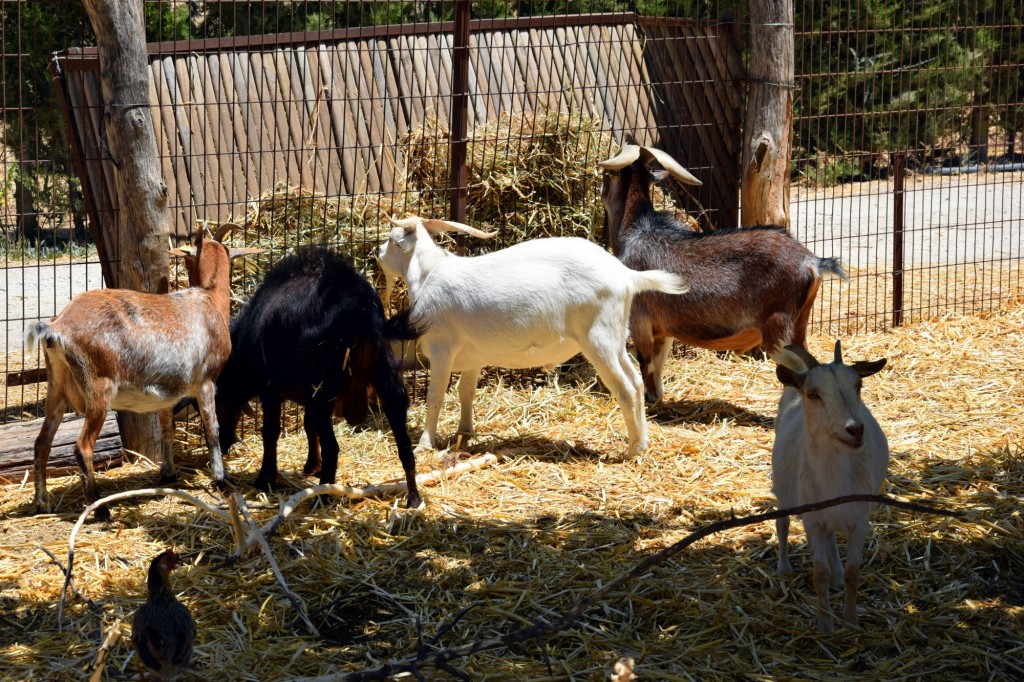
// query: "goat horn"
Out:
[671,165]
[223,231]
[408,223]
[839,353]
[804,355]
[434,226]
[627,155]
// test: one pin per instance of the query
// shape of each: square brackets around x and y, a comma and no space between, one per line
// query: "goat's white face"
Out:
[831,398]
[393,256]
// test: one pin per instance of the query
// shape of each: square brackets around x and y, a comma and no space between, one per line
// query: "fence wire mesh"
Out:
[306,122]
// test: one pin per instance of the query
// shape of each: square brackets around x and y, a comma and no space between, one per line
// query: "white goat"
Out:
[827,444]
[534,304]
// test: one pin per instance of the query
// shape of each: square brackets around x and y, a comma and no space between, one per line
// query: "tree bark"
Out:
[768,123]
[142,221]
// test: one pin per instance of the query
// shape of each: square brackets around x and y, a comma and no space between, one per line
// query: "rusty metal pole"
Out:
[899,166]
[460,113]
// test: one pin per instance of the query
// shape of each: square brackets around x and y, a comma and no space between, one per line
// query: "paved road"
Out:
[959,219]
[971,218]
[32,292]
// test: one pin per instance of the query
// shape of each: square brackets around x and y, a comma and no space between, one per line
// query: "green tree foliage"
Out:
[875,76]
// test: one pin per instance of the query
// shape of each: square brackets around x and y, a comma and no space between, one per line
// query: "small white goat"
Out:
[534,304]
[827,444]
[126,350]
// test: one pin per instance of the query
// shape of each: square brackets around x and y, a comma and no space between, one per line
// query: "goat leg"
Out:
[167,472]
[314,462]
[55,406]
[855,537]
[271,431]
[208,412]
[395,401]
[94,418]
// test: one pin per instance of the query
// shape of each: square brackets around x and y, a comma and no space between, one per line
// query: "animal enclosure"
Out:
[307,122]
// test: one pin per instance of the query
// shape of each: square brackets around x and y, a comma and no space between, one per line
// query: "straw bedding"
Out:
[563,513]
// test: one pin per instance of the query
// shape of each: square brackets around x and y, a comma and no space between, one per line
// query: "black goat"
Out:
[314,333]
[748,287]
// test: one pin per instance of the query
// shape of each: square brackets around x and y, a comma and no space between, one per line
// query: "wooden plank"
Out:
[305,90]
[286,116]
[220,137]
[17,447]
[226,160]
[177,179]
[374,116]
[35,375]
[205,163]
[246,183]
[325,90]
[329,64]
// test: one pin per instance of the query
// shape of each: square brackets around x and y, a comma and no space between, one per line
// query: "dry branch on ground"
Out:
[564,514]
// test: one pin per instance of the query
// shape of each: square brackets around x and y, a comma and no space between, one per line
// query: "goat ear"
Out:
[790,378]
[866,368]
[180,252]
[658,175]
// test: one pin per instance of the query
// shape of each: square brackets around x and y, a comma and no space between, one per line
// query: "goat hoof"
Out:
[167,479]
[267,484]
[311,468]
[102,514]
[224,485]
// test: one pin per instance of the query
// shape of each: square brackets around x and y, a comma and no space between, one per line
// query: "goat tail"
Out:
[400,327]
[39,331]
[659,280]
[832,266]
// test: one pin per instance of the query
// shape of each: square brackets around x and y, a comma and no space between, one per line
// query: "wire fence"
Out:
[306,122]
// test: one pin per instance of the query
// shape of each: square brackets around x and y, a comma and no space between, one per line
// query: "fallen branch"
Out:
[371,491]
[441,659]
[145,492]
[230,517]
[239,502]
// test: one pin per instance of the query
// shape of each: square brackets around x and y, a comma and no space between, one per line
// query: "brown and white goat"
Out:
[748,287]
[126,350]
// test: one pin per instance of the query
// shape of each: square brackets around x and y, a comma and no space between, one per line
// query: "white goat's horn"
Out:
[839,353]
[434,226]
[408,223]
[627,155]
[671,165]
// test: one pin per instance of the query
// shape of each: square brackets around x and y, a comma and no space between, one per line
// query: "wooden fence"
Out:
[328,110]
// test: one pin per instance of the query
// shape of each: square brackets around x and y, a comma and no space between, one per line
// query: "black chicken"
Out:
[163,630]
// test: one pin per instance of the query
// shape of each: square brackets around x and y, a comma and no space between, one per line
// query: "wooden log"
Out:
[142,221]
[767,136]
[17,443]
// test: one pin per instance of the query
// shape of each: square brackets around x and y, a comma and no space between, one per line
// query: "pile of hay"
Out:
[530,174]
[564,513]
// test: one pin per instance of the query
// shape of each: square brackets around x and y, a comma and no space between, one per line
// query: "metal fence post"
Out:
[460,111]
[899,166]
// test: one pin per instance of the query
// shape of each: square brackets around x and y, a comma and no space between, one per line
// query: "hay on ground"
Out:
[564,512]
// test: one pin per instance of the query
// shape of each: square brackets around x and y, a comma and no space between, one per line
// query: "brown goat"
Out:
[127,350]
[748,287]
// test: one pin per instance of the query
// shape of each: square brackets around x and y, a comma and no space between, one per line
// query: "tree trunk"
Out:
[768,123]
[142,221]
